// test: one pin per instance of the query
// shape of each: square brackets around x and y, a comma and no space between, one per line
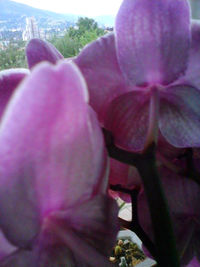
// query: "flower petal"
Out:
[94,226]
[55,256]
[167,150]
[180,116]
[5,247]
[128,118]
[51,256]
[38,50]
[194,263]
[87,255]
[152,40]
[124,175]
[192,75]
[21,258]
[98,63]
[183,197]
[9,80]
[46,130]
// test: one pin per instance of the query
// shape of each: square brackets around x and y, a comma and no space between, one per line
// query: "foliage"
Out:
[67,46]
[75,39]
[13,56]
[84,25]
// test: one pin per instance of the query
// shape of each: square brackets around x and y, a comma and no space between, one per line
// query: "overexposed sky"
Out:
[79,7]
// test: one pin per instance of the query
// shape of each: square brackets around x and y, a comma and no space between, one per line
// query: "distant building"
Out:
[32,30]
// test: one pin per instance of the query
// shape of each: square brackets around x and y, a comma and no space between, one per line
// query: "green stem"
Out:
[134,224]
[191,171]
[167,255]
[161,222]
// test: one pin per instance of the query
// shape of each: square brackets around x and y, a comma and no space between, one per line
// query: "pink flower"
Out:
[9,80]
[53,175]
[38,50]
[145,75]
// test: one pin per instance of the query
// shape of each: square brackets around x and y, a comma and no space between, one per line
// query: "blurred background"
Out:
[68,25]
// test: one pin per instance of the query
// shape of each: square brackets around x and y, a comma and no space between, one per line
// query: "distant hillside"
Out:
[13,14]
[11,8]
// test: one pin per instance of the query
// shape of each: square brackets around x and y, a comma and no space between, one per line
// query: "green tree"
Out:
[75,39]
[67,46]
[83,25]
[13,56]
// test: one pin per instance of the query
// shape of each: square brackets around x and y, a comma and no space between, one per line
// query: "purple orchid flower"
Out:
[38,50]
[145,75]
[9,80]
[128,177]
[53,175]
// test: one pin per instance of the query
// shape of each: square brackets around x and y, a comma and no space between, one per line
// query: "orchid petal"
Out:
[128,118]
[5,247]
[185,238]
[180,116]
[194,263]
[81,232]
[192,75]
[54,256]
[38,50]
[153,39]
[168,151]
[98,63]
[87,254]
[21,258]
[42,164]
[183,197]
[124,175]
[93,226]
[9,80]
[94,220]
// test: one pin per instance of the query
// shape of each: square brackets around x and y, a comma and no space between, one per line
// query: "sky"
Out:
[80,7]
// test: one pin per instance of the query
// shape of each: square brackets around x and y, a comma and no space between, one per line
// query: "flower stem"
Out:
[163,232]
[134,224]
[191,171]
[161,222]
[136,227]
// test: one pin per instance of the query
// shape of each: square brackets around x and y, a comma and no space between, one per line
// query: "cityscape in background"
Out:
[69,33]
[31,30]
[19,22]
